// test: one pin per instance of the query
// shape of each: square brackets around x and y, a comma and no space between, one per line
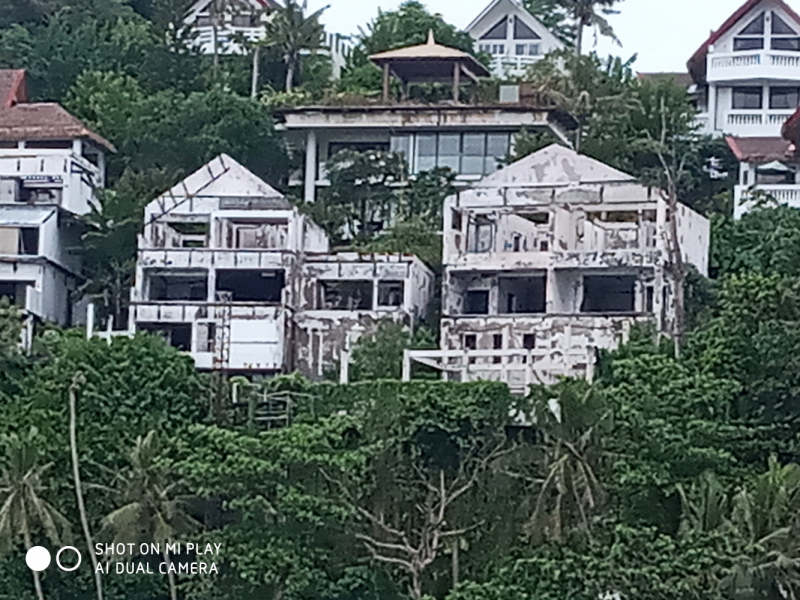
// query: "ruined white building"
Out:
[219,24]
[230,272]
[549,260]
[50,167]
[513,37]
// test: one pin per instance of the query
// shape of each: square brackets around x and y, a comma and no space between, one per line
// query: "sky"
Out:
[663,33]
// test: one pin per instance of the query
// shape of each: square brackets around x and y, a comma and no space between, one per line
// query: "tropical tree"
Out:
[292,32]
[24,512]
[151,510]
[590,13]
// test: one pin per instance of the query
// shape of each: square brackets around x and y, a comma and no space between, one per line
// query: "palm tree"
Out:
[292,32]
[590,13]
[24,513]
[570,491]
[150,512]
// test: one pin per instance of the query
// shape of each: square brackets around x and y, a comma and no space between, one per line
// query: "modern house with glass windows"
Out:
[469,133]
[512,36]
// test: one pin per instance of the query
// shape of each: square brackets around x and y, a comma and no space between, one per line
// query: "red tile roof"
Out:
[44,121]
[761,149]
[791,128]
[13,89]
[697,63]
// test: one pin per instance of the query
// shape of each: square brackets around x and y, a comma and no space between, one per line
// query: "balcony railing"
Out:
[759,64]
[513,64]
[781,194]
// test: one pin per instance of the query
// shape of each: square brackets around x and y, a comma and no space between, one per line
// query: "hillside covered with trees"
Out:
[675,474]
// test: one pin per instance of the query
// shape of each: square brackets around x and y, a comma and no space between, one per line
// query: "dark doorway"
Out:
[520,295]
[251,285]
[476,302]
[608,293]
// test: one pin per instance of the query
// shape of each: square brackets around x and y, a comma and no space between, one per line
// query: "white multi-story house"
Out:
[50,167]
[512,36]
[472,138]
[549,260]
[747,84]
[231,273]
[748,71]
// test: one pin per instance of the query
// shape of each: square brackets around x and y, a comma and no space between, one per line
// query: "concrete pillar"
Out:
[456,81]
[712,108]
[310,179]
[406,365]
[386,81]
[101,164]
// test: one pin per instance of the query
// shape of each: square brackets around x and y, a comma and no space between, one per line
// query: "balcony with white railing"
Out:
[757,64]
[512,65]
[749,123]
[205,258]
[746,197]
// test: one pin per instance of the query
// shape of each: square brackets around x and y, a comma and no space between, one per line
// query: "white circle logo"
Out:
[38,558]
[58,556]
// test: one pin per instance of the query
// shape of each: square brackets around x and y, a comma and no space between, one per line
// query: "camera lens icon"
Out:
[38,558]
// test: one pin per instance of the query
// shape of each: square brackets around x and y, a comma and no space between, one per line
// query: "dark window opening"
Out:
[49,144]
[390,293]
[206,337]
[346,295]
[780,27]
[791,44]
[742,44]
[177,335]
[523,32]
[476,302]
[497,344]
[498,32]
[649,295]
[470,341]
[188,286]
[784,97]
[13,291]
[245,21]
[482,232]
[29,240]
[193,234]
[336,147]
[755,27]
[747,97]
[251,285]
[541,218]
[529,341]
[520,295]
[608,293]
[455,219]
[204,21]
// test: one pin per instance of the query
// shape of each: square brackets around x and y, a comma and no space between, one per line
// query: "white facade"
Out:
[45,185]
[231,273]
[512,36]
[748,72]
[549,260]
[218,24]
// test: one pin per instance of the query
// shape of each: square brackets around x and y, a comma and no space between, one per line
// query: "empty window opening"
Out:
[529,341]
[177,335]
[608,293]
[39,190]
[481,239]
[522,294]
[540,218]
[346,295]
[476,302]
[29,240]
[179,286]
[206,337]
[189,234]
[14,291]
[649,295]
[390,293]
[470,341]
[516,242]
[251,285]
[262,235]
[455,219]
[49,144]
[497,344]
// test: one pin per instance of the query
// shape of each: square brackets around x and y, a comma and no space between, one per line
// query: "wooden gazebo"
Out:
[428,63]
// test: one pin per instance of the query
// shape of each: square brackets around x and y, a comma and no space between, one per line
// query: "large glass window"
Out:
[784,97]
[464,153]
[498,32]
[752,36]
[747,98]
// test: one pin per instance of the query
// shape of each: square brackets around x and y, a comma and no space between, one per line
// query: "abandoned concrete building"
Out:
[470,134]
[50,167]
[231,273]
[548,260]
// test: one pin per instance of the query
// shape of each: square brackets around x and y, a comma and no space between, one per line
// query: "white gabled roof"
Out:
[223,177]
[555,165]
[516,8]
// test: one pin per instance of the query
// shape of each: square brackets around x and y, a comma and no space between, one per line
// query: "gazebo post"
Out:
[456,80]
[386,82]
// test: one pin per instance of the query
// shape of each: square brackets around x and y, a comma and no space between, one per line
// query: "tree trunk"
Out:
[37,582]
[254,82]
[678,271]
[290,65]
[455,564]
[73,443]
[416,585]
[579,38]
[173,589]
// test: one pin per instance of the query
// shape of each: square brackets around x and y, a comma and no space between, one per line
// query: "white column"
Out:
[712,108]
[310,179]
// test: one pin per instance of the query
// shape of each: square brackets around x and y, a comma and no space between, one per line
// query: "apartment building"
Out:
[549,260]
[50,166]
[231,273]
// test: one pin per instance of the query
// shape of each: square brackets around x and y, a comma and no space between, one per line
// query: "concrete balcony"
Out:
[512,65]
[744,197]
[206,258]
[750,123]
[732,67]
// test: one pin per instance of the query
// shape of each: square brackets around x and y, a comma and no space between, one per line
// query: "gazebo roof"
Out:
[427,62]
